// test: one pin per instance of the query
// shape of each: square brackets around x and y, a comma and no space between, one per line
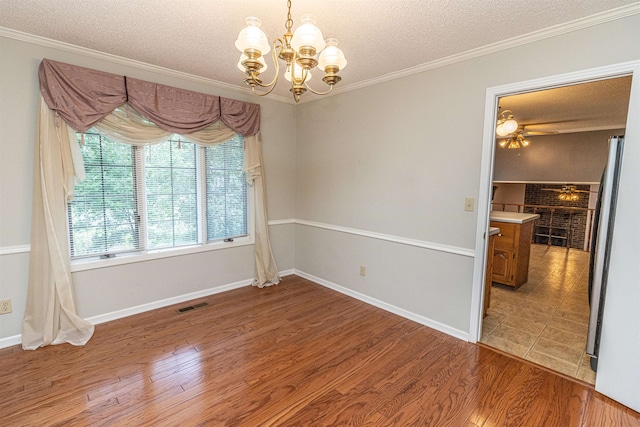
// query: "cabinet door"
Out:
[502,266]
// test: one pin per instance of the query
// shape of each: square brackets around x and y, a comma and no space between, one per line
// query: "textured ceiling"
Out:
[583,107]
[379,38]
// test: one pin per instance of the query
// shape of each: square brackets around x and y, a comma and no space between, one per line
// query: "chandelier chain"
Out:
[289,24]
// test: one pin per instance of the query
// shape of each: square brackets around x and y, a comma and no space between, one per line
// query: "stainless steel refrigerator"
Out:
[602,232]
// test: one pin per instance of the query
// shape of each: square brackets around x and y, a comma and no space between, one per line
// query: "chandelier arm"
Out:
[272,83]
[318,93]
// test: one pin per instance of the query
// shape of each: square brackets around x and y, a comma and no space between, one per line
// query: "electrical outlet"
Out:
[5,306]
[363,270]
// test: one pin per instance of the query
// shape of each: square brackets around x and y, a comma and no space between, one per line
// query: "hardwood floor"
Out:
[296,354]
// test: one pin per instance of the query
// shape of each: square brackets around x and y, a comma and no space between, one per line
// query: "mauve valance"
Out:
[83,96]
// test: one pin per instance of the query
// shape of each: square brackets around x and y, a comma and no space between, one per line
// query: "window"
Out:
[167,195]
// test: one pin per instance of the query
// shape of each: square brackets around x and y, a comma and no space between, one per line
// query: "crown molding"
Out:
[556,30]
[553,31]
[91,53]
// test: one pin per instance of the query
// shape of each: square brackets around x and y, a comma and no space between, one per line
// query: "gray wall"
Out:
[117,289]
[382,163]
[564,158]
[385,159]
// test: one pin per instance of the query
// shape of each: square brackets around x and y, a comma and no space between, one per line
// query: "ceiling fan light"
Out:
[510,125]
[503,143]
[513,144]
[252,37]
[525,142]
[308,34]
[500,130]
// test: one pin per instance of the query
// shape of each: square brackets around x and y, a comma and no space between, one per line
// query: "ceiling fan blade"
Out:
[537,133]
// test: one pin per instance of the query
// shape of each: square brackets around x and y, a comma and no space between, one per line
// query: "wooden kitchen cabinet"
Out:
[511,251]
[489,268]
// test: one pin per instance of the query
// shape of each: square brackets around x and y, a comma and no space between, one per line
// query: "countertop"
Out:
[514,217]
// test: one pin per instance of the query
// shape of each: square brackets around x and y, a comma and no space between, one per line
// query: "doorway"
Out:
[532,315]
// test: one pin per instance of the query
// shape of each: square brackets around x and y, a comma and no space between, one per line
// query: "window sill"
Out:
[121,259]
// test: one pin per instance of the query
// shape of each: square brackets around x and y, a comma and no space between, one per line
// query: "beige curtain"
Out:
[50,314]
[266,269]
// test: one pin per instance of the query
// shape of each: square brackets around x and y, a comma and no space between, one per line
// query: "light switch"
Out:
[468,204]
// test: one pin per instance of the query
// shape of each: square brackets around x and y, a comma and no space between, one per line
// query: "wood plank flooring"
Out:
[296,354]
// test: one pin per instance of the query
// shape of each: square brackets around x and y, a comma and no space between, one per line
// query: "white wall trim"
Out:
[441,327]
[115,315]
[79,266]
[107,317]
[10,341]
[486,169]
[91,53]
[18,249]
[553,31]
[390,238]
[288,272]
[556,30]
[282,221]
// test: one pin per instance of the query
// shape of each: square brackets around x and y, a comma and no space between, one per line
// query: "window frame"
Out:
[144,254]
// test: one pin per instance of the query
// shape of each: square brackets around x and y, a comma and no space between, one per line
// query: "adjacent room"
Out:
[549,170]
[194,231]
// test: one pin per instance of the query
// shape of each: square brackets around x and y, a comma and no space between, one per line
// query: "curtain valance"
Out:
[82,97]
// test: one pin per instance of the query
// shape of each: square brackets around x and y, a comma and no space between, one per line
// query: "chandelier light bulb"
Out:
[244,57]
[252,37]
[500,130]
[332,56]
[308,34]
[297,73]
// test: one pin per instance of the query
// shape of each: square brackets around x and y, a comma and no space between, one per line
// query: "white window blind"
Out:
[104,212]
[161,196]
[171,194]
[226,190]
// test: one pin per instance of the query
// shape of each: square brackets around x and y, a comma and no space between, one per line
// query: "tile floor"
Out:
[546,319]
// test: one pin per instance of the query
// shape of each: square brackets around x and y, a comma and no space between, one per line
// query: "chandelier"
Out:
[516,141]
[299,50]
[506,123]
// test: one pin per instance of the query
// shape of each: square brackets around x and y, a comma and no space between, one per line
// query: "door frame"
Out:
[488,150]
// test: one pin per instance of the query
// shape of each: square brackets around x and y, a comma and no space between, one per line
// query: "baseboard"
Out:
[107,317]
[10,341]
[387,307]
[114,315]
[288,272]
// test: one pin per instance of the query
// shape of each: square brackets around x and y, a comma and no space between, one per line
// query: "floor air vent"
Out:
[191,307]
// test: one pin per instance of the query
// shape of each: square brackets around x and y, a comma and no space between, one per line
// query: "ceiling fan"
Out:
[527,132]
[568,192]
